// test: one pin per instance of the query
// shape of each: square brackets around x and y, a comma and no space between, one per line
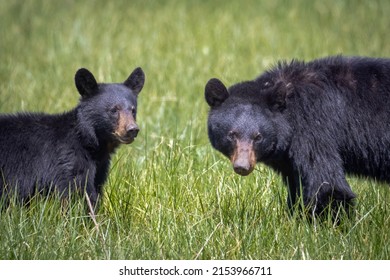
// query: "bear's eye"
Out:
[232,135]
[115,109]
[257,137]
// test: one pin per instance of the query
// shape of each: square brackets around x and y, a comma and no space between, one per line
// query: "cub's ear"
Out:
[85,83]
[215,92]
[136,80]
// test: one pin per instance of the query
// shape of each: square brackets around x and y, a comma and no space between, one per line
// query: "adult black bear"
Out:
[312,122]
[69,151]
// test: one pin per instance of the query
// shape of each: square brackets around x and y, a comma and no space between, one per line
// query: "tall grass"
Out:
[169,195]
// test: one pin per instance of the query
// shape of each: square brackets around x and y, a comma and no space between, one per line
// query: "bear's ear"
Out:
[278,95]
[215,92]
[85,83]
[136,80]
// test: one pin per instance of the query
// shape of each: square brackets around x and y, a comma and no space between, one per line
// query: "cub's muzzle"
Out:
[126,130]
[132,131]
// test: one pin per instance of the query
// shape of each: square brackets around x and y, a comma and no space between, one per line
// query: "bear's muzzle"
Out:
[243,158]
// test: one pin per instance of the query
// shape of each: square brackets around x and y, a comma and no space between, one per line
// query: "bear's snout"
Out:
[242,167]
[126,130]
[132,131]
[243,158]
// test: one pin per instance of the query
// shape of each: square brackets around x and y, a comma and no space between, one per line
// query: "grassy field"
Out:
[169,194]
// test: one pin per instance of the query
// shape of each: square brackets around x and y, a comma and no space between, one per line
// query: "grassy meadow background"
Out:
[169,194]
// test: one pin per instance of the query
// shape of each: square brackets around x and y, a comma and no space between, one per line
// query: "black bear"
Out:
[41,153]
[311,122]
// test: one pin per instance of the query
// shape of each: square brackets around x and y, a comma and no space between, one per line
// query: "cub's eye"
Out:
[115,109]
[257,137]
[232,135]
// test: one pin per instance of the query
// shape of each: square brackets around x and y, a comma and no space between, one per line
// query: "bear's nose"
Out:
[132,131]
[242,167]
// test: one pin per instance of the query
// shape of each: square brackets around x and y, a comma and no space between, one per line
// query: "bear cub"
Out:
[42,153]
[311,122]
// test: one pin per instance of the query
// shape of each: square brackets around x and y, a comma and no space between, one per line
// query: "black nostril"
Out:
[132,131]
[242,168]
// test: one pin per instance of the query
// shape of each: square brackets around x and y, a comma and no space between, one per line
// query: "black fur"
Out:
[69,151]
[312,122]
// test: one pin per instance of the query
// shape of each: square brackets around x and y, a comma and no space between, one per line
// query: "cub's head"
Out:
[107,111]
[242,123]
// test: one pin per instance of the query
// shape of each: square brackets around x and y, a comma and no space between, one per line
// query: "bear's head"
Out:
[107,111]
[245,123]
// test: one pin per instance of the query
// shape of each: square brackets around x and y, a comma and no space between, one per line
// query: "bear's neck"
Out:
[103,151]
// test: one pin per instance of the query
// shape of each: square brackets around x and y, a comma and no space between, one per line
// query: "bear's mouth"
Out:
[124,139]
[126,135]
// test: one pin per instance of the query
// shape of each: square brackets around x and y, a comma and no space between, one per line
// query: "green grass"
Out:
[169,194]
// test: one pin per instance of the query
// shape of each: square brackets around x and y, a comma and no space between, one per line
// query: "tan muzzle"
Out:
[243,158]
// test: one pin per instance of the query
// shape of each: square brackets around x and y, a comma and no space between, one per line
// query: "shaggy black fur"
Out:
[312,122]
[70,151]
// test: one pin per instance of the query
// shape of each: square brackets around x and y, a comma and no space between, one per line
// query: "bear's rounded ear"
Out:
[279,95]
[215,92]
[136,80]
[85,82]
